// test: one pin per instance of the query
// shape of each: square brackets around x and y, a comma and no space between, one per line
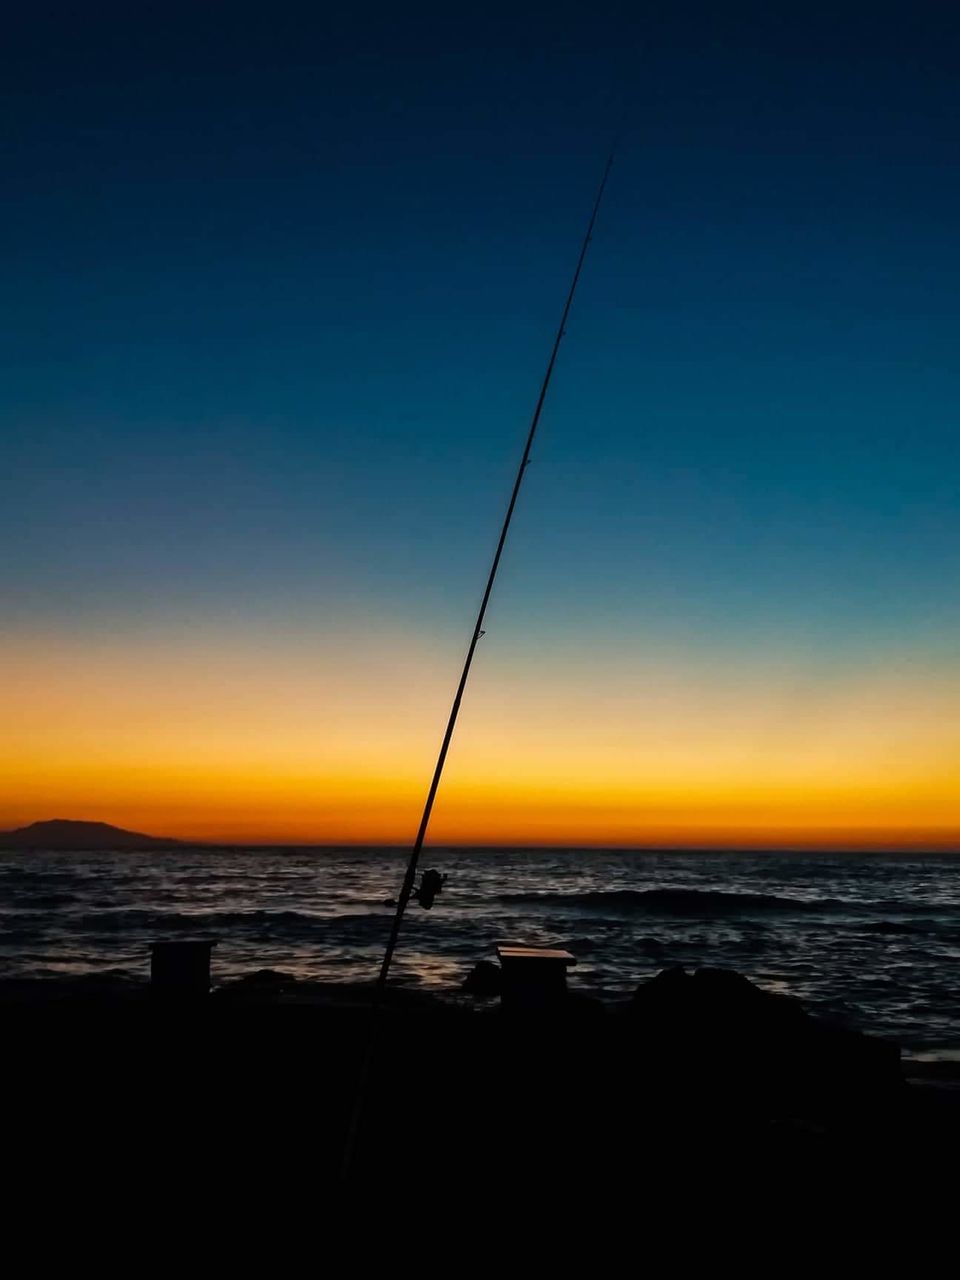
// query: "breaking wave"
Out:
[684,902]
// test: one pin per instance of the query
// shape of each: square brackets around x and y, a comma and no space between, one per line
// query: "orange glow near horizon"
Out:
[275,740]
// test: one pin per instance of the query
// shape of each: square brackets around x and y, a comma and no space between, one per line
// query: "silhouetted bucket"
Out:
[180,970]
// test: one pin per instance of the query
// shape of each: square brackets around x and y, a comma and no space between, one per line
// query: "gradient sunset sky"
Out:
[281,281]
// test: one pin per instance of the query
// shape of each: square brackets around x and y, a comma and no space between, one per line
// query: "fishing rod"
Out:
[409,879]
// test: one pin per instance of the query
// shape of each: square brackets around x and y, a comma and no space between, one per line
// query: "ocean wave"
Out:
[894,926]
[43,902]
[685,902]
[216,922]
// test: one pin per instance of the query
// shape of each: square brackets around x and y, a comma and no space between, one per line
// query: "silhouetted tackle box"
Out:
[180,970]
[533,977]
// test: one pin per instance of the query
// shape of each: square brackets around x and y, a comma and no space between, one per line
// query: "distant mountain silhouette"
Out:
[62,833]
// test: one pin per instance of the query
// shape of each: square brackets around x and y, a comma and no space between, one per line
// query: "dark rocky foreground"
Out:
[256,1087]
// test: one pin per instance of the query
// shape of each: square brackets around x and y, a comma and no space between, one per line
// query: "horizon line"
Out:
[892,846]
[584,848]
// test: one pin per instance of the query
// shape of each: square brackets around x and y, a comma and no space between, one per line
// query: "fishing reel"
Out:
[431,883]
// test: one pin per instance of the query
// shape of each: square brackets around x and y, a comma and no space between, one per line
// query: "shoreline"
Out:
[277,988]
[457,1084]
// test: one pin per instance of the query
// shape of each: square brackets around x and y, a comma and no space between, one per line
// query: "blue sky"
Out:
[281,282]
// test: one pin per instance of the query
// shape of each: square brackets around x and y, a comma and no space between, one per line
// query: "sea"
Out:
[870,940]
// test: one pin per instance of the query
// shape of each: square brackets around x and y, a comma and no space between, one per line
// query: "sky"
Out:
[281,282]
